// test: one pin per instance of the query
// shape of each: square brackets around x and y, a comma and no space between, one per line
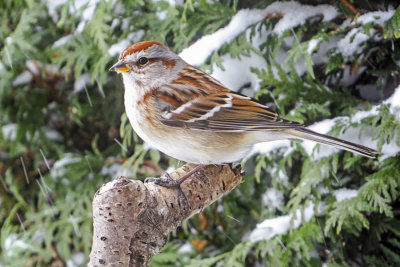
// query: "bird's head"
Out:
[148,64]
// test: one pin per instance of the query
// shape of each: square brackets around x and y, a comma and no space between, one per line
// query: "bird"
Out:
[187,114]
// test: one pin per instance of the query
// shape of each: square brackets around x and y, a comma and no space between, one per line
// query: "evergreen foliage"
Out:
[64,132]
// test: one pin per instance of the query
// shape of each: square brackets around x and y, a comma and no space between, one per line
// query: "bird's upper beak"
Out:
[120,67]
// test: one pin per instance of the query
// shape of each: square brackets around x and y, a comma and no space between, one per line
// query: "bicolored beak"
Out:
[120,67]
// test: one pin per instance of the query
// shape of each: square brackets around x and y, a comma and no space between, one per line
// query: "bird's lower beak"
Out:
[120,67]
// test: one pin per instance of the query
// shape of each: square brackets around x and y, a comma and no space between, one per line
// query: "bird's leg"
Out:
[169,182]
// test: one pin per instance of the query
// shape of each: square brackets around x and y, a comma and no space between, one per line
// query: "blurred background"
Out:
[332,65]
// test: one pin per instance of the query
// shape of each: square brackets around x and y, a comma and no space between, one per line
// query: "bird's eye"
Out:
[143,60]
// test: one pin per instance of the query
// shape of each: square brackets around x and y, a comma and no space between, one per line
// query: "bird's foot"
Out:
[169,182]
[164,182]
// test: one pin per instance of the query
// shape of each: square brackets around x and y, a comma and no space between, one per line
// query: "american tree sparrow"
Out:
[188,115]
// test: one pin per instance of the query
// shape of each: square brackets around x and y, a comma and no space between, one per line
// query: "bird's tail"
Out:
[305,133]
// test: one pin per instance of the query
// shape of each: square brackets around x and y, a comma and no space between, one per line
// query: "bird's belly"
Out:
[193,146]
[200,147]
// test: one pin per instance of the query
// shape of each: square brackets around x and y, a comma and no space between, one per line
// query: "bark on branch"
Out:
[132,220]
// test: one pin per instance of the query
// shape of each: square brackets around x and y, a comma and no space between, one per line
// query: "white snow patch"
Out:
[58,169]
[238,71]
[344,194]
[362,114]
[39,236]
[9,40]
[52,134]
[75,7]
[171,2]
[161,15]
[175,2]
[272,199]
[322,127]
[9,131]
[220,208]
[133,37]
[77,259]
[147,146]
[35,67]
[282,224]
[170,169]
[267,147]
[394,101]
[279,225]
[351,43]
[377,17]
[24,78]
[281,175]
[52,6]
[62,41]
[186,248]
[294,14]
[350,78]
[81,82]
[107,186]
[125,24]
[115,171]
[12,242]
[312,45]
[198,52]
[87,13]
[389,150]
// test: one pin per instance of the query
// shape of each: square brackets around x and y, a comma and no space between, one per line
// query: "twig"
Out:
[350,6]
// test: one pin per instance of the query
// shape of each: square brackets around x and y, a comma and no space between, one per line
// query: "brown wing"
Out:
[226,112]
[190,85]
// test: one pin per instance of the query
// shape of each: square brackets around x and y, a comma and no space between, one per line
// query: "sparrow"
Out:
[188,115]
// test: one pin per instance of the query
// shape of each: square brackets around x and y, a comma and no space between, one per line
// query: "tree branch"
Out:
[132,220]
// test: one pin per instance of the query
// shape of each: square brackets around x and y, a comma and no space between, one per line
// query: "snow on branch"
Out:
[132,220]
[282,224]
[291,13]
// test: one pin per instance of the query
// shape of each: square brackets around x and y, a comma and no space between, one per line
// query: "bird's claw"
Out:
[164,182]
[169,183]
